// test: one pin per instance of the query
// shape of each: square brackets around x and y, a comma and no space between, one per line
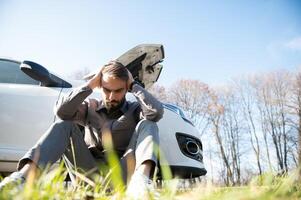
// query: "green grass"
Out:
[51,185]
[266,187]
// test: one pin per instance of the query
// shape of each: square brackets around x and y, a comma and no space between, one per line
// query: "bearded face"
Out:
[114,105]
[113,92]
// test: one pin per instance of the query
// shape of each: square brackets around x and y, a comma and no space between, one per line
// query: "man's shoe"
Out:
[141,187]
[15,179]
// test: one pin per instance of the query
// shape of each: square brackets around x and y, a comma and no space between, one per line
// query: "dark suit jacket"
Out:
[94,117]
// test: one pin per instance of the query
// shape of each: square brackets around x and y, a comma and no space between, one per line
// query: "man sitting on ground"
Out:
[132,126]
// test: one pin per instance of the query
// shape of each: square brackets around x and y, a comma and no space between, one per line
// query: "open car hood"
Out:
[143,61]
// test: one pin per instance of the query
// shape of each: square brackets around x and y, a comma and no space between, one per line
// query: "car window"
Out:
[10,72]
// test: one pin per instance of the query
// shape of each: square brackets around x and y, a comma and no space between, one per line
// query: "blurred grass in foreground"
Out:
[266,187]
[51,185]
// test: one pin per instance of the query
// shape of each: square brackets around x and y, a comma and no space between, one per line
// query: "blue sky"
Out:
[211,41]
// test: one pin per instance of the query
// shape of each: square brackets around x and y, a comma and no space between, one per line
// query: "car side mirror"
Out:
[40,73]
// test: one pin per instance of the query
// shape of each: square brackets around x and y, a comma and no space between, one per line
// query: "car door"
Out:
[26,112]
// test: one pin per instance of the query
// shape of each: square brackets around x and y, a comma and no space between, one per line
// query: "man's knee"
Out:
[64,124]
[147,124]
[147,143]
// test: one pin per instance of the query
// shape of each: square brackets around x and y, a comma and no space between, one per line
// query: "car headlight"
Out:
[178,111]
[190,146]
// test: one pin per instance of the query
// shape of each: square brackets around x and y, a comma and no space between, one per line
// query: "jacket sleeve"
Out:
[72,105]
[152,109]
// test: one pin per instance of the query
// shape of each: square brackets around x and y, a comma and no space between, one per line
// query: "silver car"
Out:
[28,92]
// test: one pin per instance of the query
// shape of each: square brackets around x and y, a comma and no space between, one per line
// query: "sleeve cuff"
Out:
[136,86]
[85,88]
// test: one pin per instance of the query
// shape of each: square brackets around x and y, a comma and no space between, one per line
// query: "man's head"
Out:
[114,85]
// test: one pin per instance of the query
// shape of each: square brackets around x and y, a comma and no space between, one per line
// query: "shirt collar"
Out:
[123,108]
[100,106]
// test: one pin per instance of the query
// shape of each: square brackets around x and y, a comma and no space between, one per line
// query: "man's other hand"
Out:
[130,80]
[96,80]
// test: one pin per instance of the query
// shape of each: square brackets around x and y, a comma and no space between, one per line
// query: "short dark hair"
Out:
[116,69]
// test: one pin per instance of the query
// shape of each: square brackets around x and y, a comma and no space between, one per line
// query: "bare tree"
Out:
[272,94]
[192,96]
[295,104]
[215,114]
[298,85]
[226,107]
[259,115]
[159,92]
[232,123]
[246,93]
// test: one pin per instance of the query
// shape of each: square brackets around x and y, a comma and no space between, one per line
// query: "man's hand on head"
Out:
[130,80]
[96,80]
